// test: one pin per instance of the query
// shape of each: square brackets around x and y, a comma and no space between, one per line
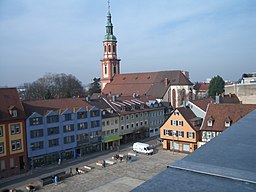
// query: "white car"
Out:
[142,148]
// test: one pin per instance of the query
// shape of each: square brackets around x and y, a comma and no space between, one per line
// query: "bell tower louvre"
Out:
[110,63]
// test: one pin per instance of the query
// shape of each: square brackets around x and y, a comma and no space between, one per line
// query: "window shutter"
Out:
[187,134]
[181,123]
[171,122]
[182,133]
[193,135]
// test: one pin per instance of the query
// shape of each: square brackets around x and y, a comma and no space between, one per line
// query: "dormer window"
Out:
[133,107]
[176,113]
[141,106]
[209,123]
[123,108]
[13,111]
[227,123]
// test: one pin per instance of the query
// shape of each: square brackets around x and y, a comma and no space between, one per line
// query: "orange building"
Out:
[180,132]
[13,154]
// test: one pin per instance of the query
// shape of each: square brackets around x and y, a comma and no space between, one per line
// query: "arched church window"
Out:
[114,69]
[105,48]
[114,48]
[109,48]
[106,70]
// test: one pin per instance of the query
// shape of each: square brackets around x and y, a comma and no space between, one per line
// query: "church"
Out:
[173,87]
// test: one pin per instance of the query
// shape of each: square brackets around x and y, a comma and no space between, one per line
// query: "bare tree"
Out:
[54,86]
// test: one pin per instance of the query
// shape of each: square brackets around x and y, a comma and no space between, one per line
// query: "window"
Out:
[69,139]
[53,119]
[36,133]
[127,126]
[107,122]
[1,148]
[112,131]
[137,124]
[141,123]
[109,48]
[81,115]
[123,108]
[103,123]
[114,48]
[16,145]
[141,114]
[116,121]
[95,113]
[122,127]
[95,124]
[190,135]
[180,123]
[68,117]
[3,165]
[82,137]
[116,130]
[169,132]
[132,116]
[132,125]
[53,142]
[15,129]
[114,69]
[209,123]
[127,117]
[37,145]
[81,126]
[174,122]
[106,69]
[11,162]
[180,134]
[14,113]
[137,115]
[53,130]
[36,121]
[176,113]
[122,118]
[227,123]
[1,130]
[68,128]
[146,122]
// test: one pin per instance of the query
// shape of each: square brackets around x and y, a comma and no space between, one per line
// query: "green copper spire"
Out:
[109,27]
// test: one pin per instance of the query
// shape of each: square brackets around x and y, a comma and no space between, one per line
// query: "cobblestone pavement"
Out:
[122,176]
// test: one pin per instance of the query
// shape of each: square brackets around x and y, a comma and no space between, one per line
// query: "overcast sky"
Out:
[206,38]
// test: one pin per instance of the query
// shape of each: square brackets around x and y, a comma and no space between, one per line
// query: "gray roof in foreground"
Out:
[226,163]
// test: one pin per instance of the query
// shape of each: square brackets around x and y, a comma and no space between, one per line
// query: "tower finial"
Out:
[108,6]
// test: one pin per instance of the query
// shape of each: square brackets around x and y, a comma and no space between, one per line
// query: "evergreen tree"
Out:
[94,86]
[217,85]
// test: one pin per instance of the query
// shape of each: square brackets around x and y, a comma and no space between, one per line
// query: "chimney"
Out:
[166,82]
[186,73]
[113,98]
[217,99]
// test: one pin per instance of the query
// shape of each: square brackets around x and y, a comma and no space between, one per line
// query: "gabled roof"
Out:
[220,112]
[59,105]
[9,100]
[189,116]
[151,83]
[227,163]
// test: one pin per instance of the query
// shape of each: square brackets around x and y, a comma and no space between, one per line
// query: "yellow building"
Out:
[13,154]
[180,132]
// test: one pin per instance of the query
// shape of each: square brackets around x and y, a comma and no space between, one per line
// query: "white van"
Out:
[142,148]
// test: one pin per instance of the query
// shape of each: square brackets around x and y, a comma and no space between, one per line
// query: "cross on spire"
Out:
[108,6]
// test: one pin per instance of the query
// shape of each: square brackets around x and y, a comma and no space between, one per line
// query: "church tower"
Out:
[110,63]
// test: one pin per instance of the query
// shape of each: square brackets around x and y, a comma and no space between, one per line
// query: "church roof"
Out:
[153,84]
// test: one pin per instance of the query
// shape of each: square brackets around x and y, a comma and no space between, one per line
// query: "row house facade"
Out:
[180,132]
[126,119]
[13,152]
[61,129]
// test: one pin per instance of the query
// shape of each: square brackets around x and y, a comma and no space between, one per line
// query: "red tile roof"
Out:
[202,86]
[189,116]
[44,106]
[151,84]
[202,103]
[9,99]
[219,113]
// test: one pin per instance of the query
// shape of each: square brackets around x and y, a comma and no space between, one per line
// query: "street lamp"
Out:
[173,133]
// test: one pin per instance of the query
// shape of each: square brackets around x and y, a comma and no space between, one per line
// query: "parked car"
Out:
[142,148]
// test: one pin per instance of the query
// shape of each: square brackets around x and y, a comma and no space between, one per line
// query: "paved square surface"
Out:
[122,176]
